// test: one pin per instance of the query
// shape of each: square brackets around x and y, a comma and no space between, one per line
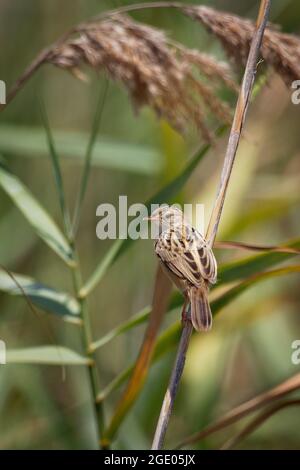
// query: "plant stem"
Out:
[136,7]
[238,120]
[87,341]
[170,394]
[32,68]
[234,138]
[257,422]
[88,158]
[245,409]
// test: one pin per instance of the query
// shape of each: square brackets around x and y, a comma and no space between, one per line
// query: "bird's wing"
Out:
[189,258]
[207,261]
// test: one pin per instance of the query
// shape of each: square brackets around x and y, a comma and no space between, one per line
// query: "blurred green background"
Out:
[249,348]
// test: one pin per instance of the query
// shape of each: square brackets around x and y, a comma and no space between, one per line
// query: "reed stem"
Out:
[234,138]
[87,340]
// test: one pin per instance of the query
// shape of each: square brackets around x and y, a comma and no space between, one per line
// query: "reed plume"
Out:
[279,50]
[155,71]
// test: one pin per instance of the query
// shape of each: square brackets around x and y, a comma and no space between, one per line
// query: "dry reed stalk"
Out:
[256,422]
[238,120]
[233,142]
[264,399]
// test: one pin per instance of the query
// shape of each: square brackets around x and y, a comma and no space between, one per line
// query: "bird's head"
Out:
[167,217]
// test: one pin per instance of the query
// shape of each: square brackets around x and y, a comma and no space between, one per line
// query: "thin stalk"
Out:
[241,411]
[33,67]
[136,7]
[56,170]
[88,157]
[238,120]
[234,138]
[257,422]
[87,341]
[171,392]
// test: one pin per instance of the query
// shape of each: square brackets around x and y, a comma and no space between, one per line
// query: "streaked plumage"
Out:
[188,260]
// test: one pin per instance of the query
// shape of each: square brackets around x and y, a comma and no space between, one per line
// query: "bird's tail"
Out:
[200,310]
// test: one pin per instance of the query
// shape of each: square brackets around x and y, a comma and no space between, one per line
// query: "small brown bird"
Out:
[188,260]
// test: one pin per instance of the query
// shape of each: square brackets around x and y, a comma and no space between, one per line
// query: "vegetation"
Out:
[90,336]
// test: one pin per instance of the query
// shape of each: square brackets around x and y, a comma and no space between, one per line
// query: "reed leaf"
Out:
[35,214]
[281,390]
[255,264]
[46,355]
[162,290]
[169,338]
[72,146]
[230,272]
[56,168]
[44,297]
[88,157]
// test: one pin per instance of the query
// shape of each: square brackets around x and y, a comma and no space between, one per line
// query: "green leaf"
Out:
[101,269]
[42,296]
[35,214]
[56,168]
[163,196]
[48,355]
[12,252]
[161,294]
[253,264]
[30,142]
[88,156]
[135,320]
[235,291]
[227,273]
[170,337]
[166,341]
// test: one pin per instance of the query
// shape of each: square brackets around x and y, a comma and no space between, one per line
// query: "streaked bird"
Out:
[188,260]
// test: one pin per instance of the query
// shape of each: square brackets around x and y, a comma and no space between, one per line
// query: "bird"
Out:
[188,260]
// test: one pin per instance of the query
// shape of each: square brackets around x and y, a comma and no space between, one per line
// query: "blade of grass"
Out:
[135,320]
[56,168]
[241,269]
[48,355]
[256,422]
[228,273]
[166,341]
[169,338]
[45,297]
[232,293]
[110,154]
[251,247]
[88,156]
[35,214]
[279,391]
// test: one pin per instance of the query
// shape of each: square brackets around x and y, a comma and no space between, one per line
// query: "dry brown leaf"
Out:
[162,290]
[258,421]
[281,390]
